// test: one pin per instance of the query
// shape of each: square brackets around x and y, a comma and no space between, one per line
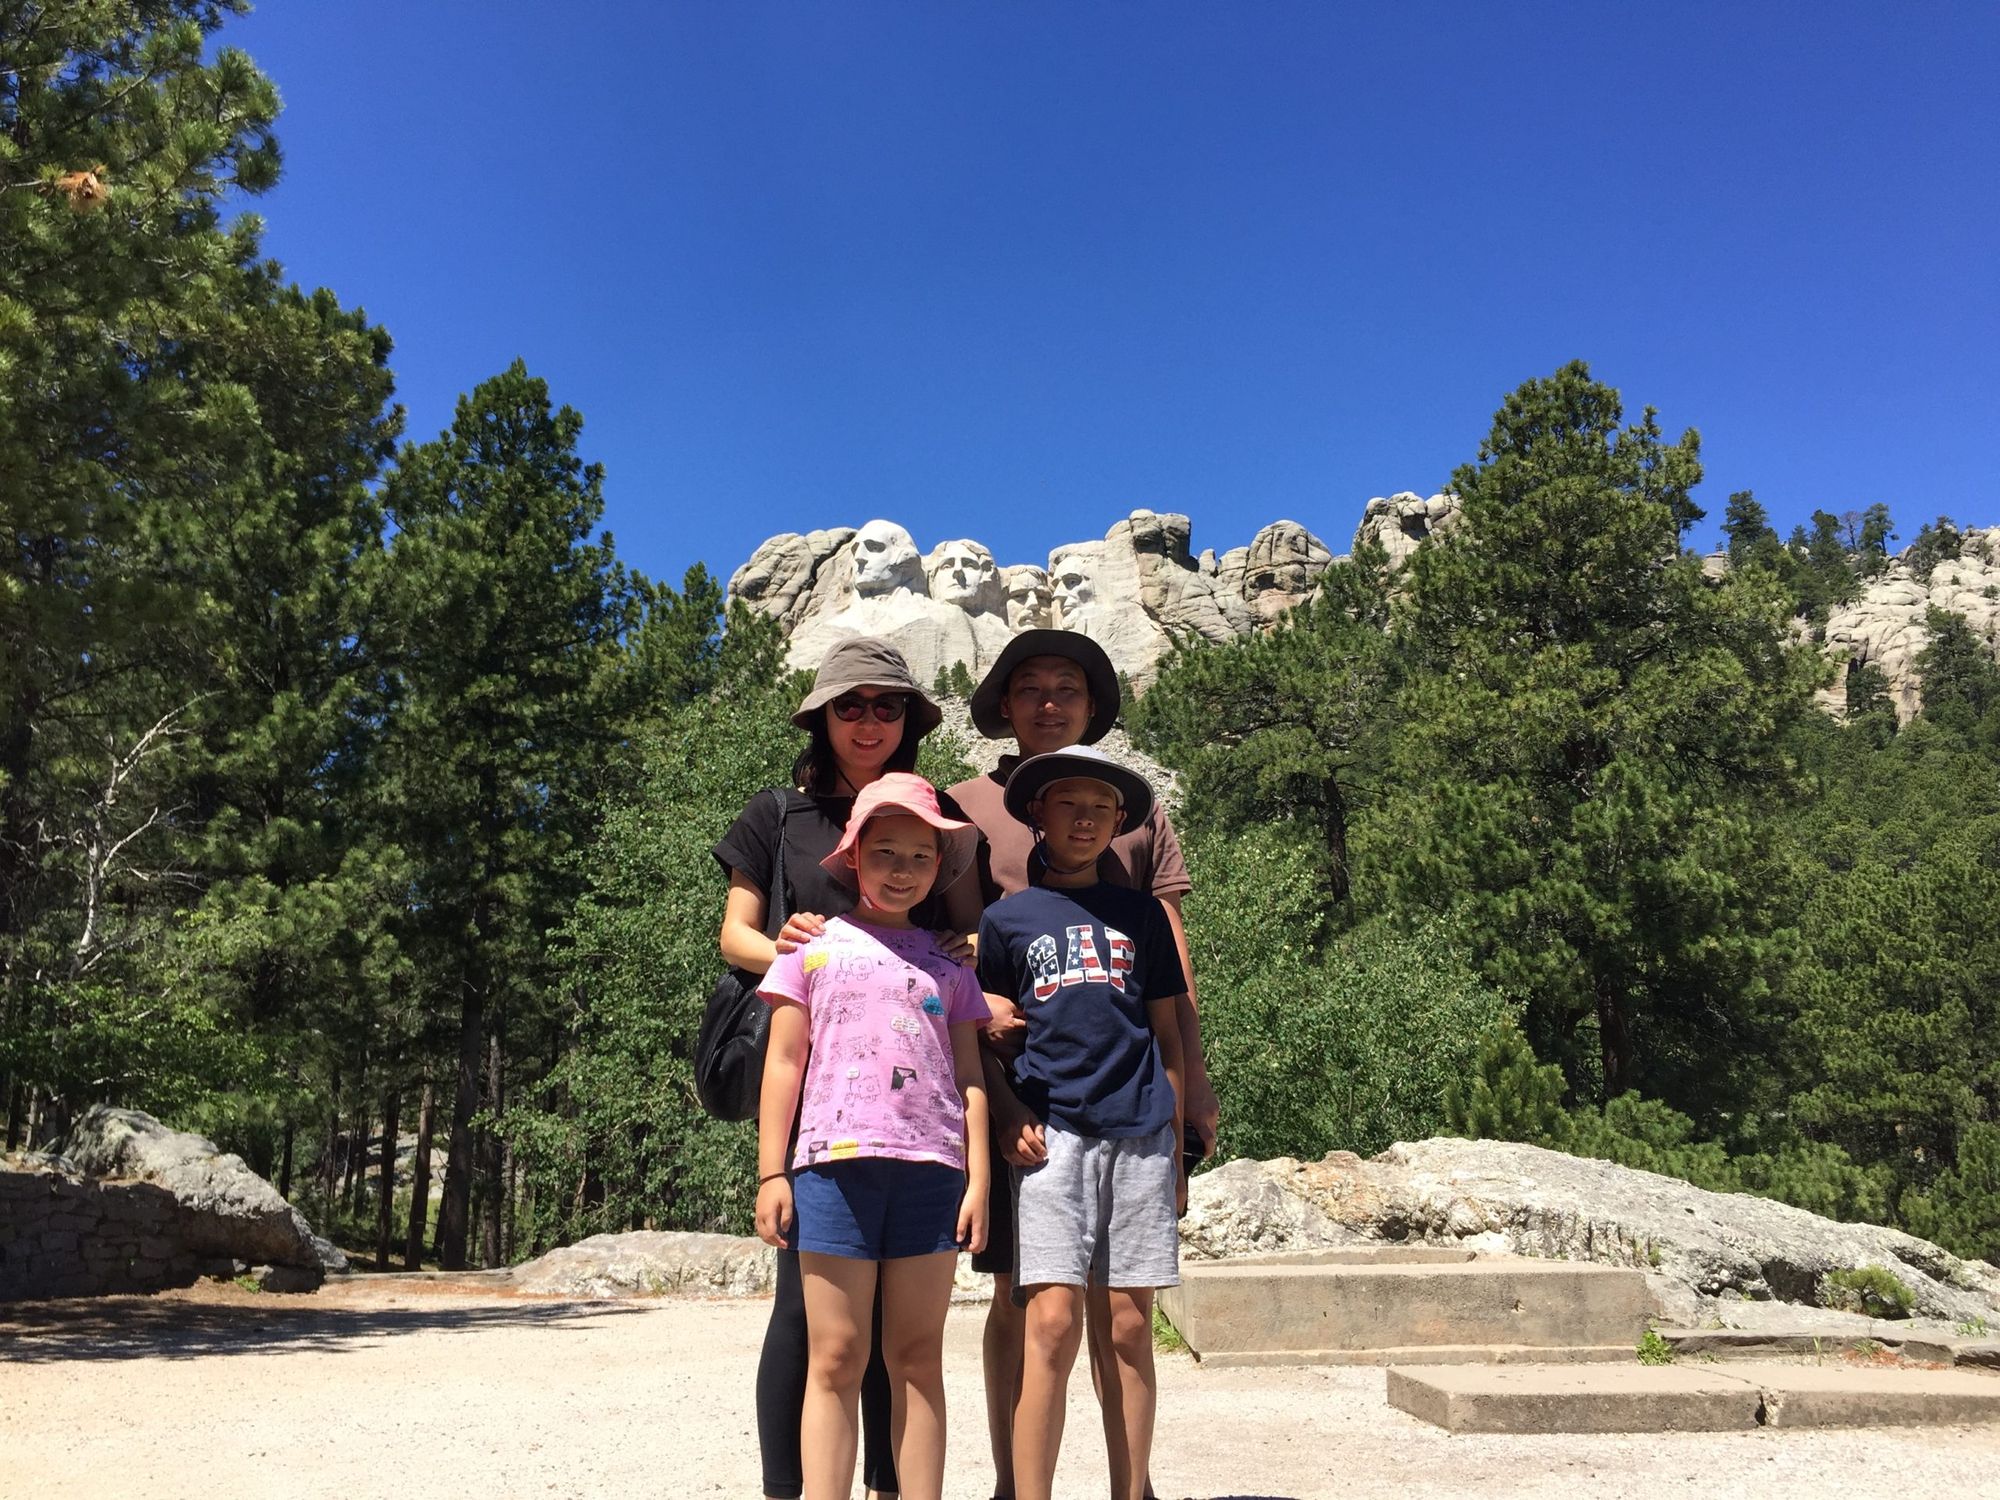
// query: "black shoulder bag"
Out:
[736,1026]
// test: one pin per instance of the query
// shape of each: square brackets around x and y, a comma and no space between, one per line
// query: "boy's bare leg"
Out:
[1097,1326]
[840,1304]
[1131,1391]
[1054,1328]
[1000,1351]
[916,1294]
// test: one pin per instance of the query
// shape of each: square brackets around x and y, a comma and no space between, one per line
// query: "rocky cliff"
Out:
[1143,584]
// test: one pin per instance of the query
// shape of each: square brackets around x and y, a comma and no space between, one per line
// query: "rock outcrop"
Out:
[1141,587]
[1703,1252]
[128,1205]
[1134,591]
[1884,627]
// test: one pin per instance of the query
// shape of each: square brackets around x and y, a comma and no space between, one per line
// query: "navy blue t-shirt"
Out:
[1082,964]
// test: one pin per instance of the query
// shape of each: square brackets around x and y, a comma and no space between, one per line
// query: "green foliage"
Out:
[1585,752]
[1653,1349]
[953,682]
[1937,541]
[1348,1047]
[1166,1338]
[1960,677]
[1277,726]
[1961,1208]
[1873,541]
[618,1139]
[1507,1095]
[1868,1289]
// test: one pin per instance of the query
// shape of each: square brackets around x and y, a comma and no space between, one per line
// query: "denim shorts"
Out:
[876,1208]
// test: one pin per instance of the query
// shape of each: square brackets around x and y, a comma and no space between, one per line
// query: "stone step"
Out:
[1272,1310]
[1640,1398]
[1753,1343]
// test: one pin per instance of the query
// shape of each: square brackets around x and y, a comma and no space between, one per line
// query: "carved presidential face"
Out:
[885,559]
[1028,597]
[1074,581]
[962,573]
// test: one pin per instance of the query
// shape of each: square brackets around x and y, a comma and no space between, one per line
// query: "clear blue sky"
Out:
[1009,270]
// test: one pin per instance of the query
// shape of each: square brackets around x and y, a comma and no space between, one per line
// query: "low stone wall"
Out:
[66,1235]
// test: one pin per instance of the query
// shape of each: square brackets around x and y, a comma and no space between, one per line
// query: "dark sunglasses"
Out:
[849,707]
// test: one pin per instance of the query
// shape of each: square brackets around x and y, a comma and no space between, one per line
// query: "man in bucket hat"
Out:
[1051,690]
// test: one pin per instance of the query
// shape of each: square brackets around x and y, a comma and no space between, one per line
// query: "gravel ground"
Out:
[393,1393]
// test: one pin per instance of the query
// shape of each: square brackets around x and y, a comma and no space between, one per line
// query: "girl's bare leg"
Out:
[840,1302]
[916,1294]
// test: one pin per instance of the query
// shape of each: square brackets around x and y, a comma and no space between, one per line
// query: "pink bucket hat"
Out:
[905,792]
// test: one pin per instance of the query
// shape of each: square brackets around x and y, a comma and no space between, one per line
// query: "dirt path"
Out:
[365,1393]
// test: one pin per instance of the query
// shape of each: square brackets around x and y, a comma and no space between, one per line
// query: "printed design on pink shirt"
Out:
[880,1079]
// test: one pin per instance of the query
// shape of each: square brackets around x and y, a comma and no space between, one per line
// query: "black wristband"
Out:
[771,1177]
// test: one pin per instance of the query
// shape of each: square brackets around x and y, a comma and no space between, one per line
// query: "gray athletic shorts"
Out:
[1099,1212]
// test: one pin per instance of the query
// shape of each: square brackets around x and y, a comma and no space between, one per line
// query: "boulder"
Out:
[1702,1250]
[226,1210]
[652,1263]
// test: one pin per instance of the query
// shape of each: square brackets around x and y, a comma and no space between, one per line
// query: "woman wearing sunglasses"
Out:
[864,716]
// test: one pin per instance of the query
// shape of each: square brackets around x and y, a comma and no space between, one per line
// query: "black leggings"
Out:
[781,1393]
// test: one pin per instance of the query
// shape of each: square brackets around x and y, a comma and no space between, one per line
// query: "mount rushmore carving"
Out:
[1132,591]
[1142,585]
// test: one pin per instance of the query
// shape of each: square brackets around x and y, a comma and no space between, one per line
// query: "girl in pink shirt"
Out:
[874,1054]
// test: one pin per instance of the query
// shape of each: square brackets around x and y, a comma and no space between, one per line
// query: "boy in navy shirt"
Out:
[1094,970]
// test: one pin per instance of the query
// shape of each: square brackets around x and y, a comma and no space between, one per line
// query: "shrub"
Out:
[1868,1289]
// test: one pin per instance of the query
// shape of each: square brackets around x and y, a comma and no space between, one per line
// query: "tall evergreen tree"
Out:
[118,142]
[501,624]
[1588,740]
[1280,725]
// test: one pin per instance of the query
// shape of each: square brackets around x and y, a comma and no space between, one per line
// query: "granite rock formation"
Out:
[128,1205]
[1884,626]
[1702,1251]
[1134,591]
[1142,586]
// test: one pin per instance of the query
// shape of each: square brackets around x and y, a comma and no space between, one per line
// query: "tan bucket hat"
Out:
[868,661]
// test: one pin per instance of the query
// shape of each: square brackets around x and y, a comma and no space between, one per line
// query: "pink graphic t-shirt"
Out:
[880,1080]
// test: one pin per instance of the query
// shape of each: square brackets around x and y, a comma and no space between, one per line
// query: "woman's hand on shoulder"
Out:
[800,928]
[959,947]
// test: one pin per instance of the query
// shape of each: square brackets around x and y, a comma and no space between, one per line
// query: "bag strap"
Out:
[780,907]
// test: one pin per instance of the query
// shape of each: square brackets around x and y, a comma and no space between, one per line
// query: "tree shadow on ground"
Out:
[141,1328]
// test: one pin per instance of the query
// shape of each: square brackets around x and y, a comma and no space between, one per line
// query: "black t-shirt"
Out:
[1082,964]
[813,826]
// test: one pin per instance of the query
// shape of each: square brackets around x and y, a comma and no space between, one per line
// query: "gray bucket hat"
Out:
[1077,647]
[867,661]
[1085,762]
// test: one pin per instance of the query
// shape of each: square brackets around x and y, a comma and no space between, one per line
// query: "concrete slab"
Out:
[1353,1255]
[1745,1343]
[1423,1354]
[1816,1396]
[1268,1307]
[1555,1398]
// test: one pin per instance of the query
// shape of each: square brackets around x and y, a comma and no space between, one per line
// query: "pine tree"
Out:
[1508,1096]
[501,625]
[1278,725]
[118,144]
[1587,738]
